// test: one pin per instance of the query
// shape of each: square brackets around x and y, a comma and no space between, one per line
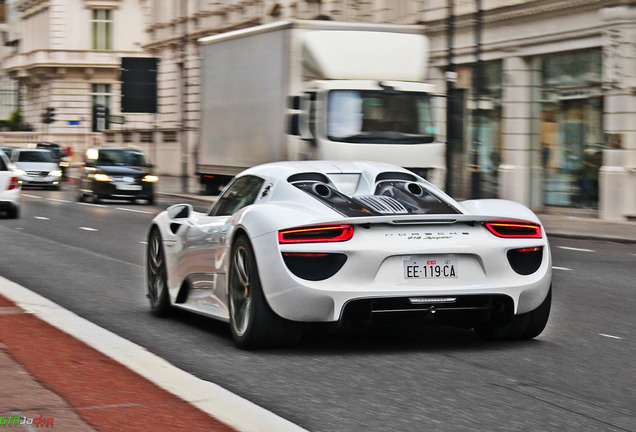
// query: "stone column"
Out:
[516,125]
[617,179]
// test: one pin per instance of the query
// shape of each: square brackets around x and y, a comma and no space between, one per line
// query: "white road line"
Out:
[88,229]
[31,196]
[610,336]
[143,242]
[133,210]
[41,218]
[58,200]
[561,268]
[575,249]
[91,204]
[243,415]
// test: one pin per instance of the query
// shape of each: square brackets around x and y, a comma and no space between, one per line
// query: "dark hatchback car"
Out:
[116,173]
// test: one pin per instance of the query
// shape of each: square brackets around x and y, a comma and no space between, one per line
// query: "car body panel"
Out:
[383,246]
[9,187]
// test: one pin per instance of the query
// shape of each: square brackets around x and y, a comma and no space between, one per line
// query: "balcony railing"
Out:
[65,58]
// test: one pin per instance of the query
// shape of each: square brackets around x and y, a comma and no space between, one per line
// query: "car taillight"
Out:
[15,183]
[513,229]
[318,234]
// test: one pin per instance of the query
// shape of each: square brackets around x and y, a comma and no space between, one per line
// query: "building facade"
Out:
[66,58]
[552,122]
[543,92]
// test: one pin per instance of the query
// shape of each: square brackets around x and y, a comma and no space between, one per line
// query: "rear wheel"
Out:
[156,279]
[525,326]
[252,321]
[13,212]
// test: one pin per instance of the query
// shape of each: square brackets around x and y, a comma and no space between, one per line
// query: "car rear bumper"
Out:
[374,275]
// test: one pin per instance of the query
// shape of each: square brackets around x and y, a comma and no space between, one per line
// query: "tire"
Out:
[13,212]
[522,327]
[156,279]
[252,322]
[151,200]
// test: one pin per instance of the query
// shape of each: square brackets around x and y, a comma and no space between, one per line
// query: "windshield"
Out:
[35,156]
[121,158]
[369,116]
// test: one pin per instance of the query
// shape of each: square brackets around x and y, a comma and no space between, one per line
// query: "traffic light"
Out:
[48,116]
[101,118]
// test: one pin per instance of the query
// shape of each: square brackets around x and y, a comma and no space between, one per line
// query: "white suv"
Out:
[37,168]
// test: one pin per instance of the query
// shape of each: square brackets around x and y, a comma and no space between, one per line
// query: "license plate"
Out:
[128,187]
[444,268]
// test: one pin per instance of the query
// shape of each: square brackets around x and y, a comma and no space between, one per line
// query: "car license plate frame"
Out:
[128,187]
[430,268]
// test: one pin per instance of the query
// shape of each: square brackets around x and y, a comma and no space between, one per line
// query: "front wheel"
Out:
[525,326]
[252,321]
[156,278]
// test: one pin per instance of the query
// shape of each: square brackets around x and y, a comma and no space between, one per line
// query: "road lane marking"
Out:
[242,414]
[91,204]
[575,249]
[88,229]
[41,218]
[133,210]
[58,200]
[31,196]
[561,268]
[610,336]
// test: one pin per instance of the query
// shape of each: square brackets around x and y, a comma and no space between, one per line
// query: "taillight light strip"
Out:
[513,229]
[15,183]
[318,234]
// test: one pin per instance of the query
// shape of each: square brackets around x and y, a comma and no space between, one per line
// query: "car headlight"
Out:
[150,178]
[19,172]
[102,177]
[55,173]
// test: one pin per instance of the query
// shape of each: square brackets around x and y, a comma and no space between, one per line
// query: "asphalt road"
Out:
[577,376]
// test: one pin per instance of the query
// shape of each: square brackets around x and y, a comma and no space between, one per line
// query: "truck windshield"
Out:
[368,116]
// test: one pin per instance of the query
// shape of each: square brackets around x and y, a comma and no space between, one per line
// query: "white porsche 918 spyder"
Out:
[360,243]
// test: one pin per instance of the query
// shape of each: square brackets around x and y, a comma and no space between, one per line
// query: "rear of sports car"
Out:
[444,267]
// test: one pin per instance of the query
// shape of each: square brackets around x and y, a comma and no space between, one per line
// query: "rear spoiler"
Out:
[436,219]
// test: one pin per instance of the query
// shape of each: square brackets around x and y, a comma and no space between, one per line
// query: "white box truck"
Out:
[326,90]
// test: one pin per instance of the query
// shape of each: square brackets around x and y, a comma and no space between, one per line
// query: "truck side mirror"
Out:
[293,126]
[294,102]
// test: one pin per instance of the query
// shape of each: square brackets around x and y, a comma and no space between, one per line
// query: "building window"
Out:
[101,94]
[571,127]
[169,136]
[102,29]
[145,137]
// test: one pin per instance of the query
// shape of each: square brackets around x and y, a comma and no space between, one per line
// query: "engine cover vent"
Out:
[382,204]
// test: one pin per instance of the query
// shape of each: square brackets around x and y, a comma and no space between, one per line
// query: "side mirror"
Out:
[180,211]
